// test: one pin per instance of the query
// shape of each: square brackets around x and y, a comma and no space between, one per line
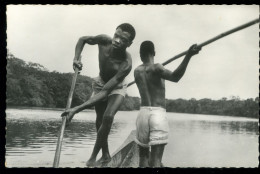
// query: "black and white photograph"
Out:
[132,86]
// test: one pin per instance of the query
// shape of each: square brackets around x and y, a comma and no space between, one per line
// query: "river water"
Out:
[194,140]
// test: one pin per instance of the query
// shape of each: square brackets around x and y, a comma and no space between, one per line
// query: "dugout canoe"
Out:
[125,156]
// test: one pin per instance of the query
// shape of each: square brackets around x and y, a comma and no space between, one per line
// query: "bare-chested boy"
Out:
[151,124]
[109,88]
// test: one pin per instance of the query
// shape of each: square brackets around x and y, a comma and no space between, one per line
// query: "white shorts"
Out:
[151,126]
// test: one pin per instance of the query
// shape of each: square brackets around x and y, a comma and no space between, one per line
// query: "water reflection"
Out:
[33,134]
[234,127]
[221,127]
[25,136]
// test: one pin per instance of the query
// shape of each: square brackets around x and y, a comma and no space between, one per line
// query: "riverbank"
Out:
[92,110]
[41,108]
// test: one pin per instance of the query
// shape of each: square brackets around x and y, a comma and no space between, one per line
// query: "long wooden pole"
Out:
[208,42]
[64,119]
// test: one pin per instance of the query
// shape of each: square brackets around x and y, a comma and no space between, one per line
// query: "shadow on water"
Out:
[31,135]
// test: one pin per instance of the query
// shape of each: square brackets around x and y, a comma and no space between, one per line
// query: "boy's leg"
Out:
[143,156]
[156,155]
[142,136]
[100,110]
[114,102]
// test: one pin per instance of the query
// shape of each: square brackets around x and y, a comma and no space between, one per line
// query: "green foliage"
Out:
[232,107]
[31,85]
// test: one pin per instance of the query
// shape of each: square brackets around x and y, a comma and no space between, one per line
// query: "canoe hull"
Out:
[127,155]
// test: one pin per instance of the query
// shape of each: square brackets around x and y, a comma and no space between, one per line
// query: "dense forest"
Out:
[32,85]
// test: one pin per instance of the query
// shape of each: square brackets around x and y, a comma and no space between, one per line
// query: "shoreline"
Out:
[41,108]
[92,110]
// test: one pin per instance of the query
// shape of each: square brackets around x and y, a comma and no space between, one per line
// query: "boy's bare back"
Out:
[150,85]
[150,78]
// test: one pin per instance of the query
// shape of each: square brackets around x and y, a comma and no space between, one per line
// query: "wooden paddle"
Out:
[209,41]
[64,119]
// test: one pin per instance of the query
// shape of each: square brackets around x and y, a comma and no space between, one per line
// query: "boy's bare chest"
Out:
[109,63]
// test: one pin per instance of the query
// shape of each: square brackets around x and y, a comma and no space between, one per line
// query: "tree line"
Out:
[32,85]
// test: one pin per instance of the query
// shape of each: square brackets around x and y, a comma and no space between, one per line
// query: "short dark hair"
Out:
[146,48]
[128,28]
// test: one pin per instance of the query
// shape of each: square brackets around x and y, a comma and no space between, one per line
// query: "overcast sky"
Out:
[228,67]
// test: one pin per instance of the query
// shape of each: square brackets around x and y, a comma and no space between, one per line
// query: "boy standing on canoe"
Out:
[109,88]
[151,124]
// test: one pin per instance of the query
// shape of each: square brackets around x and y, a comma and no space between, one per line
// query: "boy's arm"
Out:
[124,70]
[176,75]
[91,40]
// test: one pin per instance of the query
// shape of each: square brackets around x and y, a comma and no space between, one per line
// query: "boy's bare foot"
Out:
[91,163]
[105,159]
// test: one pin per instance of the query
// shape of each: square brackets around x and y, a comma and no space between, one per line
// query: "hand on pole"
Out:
[77,64]
[193,50]
[69,113]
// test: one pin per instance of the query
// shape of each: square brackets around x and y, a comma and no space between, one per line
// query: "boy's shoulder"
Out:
[104,39]
[139,68]
[157,67]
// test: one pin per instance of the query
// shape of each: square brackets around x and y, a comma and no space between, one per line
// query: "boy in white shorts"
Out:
[151,125]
